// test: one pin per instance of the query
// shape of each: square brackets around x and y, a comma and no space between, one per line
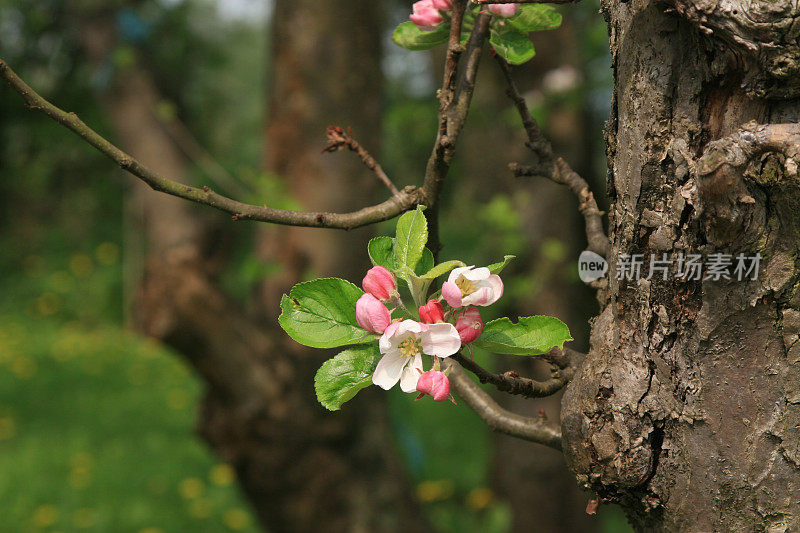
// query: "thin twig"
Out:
[556,169]
[496,417]
[454,101]
[338,139]
[513,383]
[407,199]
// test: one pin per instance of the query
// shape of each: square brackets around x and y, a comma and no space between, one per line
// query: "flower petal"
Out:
[411,373]
[388,342]
[451,294]
[479,297]
[409,326]
[497,288]
[477,274]
[457,272]
[441,340]
[389,369]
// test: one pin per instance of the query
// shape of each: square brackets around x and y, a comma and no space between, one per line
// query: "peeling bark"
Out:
[686,410]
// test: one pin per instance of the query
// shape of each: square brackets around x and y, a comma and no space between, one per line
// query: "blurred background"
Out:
[144,385]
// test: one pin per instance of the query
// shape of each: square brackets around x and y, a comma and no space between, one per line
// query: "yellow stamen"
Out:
[410,347]
[467,287]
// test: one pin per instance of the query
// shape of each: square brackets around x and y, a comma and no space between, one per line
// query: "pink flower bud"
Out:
[432,312]
[426,16]
[372,315]
[379,282]
[503,10]
[434,383]
[469,324]
[443,5]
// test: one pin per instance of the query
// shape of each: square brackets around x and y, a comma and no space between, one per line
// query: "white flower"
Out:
[472,286]
[402,346]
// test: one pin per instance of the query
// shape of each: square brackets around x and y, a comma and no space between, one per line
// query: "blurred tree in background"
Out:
[95,421]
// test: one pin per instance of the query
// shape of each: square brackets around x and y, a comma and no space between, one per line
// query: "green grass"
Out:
[96,434]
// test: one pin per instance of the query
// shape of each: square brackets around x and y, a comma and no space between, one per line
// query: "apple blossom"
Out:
[402,346]
[503,10]
[443,5]
[469,324]
[372,315]
[434,383]
[432,312]
[379,282]
[426,16]
[472,286]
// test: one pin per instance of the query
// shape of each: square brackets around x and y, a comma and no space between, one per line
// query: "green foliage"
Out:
[97,434]
[381,252]
[509,37]
[531,335]
[535,17]
[322,313]
[339,379]
[442,268]
[409,242]
[496,268]
[515,47]
[410,37]
[426,262]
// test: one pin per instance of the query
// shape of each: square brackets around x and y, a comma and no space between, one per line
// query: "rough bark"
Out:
[687,409]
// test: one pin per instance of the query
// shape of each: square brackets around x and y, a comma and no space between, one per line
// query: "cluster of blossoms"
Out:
[428,15]
[445,324]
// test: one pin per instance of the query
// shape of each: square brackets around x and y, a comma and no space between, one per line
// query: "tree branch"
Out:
[739,148]
[566,361]
[512,383]
[495,416]
[454,101]
[407,199]
[339,139]
[556,169]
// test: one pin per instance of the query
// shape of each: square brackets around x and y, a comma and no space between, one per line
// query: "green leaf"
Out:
[410,37]
[426,262]
[339,379]
[322,313]
[536,17]
[412,234]
[496,268]
[381,252]
[513,46]
[442,268]
[532,335]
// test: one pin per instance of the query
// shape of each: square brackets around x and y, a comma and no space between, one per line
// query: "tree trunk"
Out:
[309,469]
[302,468]
[687,409]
